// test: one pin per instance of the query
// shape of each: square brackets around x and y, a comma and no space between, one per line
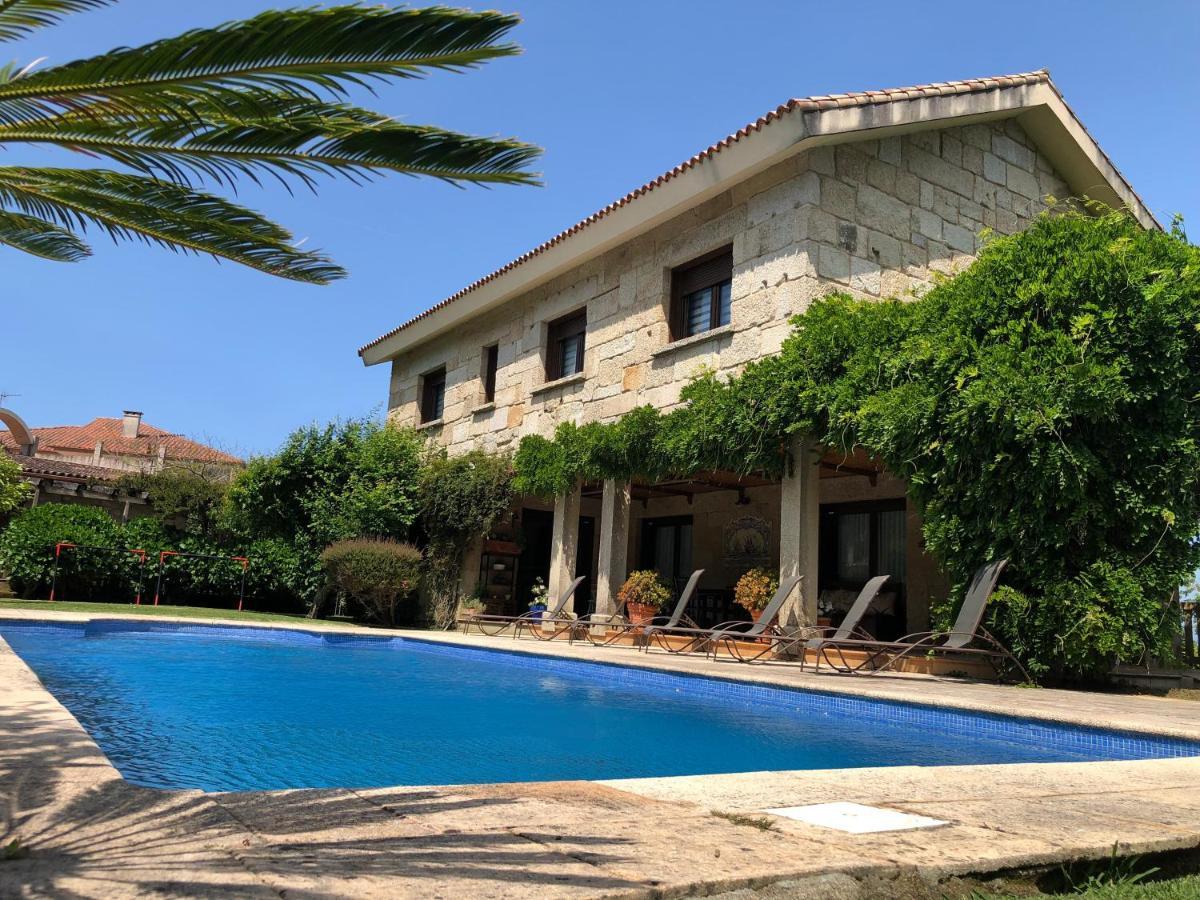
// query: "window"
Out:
[565,345]
[491,356]
[701,294]
[861,540]
[433,396]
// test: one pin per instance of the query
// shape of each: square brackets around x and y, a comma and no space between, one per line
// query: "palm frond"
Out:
[302,139]
[19,17]
[298,51]
[161,212]
[41,238]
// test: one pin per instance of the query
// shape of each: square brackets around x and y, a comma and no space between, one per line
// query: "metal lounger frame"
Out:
[706,638]
[619,629]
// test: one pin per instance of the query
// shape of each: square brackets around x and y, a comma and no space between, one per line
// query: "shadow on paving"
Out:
[84,832]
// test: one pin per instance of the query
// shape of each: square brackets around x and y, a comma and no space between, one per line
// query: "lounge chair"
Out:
[617,627]
[493,625]
[960,642]
[696,638]
[811,636]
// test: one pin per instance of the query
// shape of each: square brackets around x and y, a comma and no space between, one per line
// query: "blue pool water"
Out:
[232,709]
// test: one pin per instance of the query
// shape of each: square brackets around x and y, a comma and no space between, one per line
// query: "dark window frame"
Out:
[433,395]
[709,272]
[568,328]
[829,540]
[491,364]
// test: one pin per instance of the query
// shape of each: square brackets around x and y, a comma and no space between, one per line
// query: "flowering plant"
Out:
[644,587]
[538,593]
[755,589]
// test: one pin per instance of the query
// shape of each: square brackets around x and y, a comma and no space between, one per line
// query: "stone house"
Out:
[871,193]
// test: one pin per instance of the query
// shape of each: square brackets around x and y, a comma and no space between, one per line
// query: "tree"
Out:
[330,483]
[186,494]
[461,499]
[13,490]
[263,96]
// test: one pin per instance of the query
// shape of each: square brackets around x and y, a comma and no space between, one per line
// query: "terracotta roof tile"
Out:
[109,433]
[802,104]
[32,465]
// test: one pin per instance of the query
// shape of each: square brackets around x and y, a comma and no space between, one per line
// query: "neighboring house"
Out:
[871,193]
[87,463]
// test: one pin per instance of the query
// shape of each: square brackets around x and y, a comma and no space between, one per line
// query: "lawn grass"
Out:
[178,612]
[1185,888]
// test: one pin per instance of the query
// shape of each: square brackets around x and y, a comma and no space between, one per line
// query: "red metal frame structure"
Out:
[67,545]
[166,554]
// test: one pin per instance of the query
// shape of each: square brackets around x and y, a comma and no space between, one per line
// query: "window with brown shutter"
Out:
[565,344]
[491,358]
[433,396]
[701,294]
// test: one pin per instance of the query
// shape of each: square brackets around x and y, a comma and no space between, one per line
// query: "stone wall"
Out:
[875,218]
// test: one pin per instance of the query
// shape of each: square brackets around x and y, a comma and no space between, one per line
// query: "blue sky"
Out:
[616,93]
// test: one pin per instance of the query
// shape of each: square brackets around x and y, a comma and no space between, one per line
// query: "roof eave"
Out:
[1049,121]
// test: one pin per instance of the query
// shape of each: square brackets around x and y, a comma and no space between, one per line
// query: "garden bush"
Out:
[27,554]
[376,573]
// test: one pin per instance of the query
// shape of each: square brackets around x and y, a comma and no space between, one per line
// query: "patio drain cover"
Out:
[855,818]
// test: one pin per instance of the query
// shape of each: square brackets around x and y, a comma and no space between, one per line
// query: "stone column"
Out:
[614,545]
[564,544]
[800,521]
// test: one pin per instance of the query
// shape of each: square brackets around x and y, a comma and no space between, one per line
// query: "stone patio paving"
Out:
[91,834]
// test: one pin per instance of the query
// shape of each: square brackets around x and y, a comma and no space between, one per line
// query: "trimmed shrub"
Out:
[377,574]
[27,554]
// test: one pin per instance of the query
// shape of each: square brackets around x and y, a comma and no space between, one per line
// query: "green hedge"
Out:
[278,578]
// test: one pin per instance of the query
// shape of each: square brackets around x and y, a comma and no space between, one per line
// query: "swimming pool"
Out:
[227,708]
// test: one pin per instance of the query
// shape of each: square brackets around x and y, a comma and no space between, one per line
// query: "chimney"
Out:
[130,423]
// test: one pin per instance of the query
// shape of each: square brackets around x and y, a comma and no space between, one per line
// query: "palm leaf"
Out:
[19,17]
[163,213]
[302,139]
[298,51]
[40,238]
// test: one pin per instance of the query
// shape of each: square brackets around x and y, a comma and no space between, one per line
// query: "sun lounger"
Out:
[966,640]
[684,640]
[617,628]
[493,625]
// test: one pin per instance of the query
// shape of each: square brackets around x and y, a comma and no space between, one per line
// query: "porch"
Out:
[835,520]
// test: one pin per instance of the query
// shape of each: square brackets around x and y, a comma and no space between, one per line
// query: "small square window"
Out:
[565,344]
[701,293]
[491,359]
[433,396]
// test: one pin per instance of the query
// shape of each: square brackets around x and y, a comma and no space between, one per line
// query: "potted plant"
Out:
[643,594]
[537,598]
[473,604]
[754,591]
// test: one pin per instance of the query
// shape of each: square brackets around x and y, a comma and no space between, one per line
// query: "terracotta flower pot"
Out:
[756,614]
[641,613]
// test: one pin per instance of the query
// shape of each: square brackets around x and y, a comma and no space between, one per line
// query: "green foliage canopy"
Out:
[13,490]
[330,483]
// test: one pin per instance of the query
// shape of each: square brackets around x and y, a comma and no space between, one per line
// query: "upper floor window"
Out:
[701,293]
[433,395]
[491,359]
[565,340]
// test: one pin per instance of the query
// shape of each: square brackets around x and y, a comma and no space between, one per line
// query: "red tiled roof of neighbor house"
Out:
[108,432]
[54,468]
[800,104]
